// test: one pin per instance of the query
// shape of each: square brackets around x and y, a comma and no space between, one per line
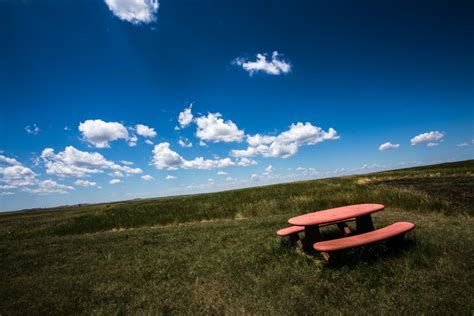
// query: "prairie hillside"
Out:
[218,253]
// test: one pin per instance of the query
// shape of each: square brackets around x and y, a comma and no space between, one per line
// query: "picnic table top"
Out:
[335,214]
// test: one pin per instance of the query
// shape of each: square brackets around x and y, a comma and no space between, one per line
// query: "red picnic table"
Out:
[361,213]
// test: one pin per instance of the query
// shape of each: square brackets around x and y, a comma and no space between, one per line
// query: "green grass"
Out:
[218,253]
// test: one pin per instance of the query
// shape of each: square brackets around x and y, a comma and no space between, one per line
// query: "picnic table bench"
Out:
[364,234]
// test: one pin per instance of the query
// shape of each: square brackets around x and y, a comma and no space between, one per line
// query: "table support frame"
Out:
[364,224]
[312,236]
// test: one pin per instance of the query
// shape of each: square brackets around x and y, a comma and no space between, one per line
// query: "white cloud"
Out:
[274,66]
[32,129]
[388,145]
[10,161]
[213,128]
[115,181]
[147,177]
[7,187]
[7,193]
[287,143]
[246,162]
[185,117]
[145,131]
[125,162]
[85,183]
[230,179]
[168,177]
[222,173]
[100,133]
[258,140]
[462,145]
[134,11]
[132,141]
[206,164]
[115,174]
[427,137]
[17,172]
[268,170]
[432,144]
[49,186]
[75,163]
[185,143]
[149,142]
[165,158]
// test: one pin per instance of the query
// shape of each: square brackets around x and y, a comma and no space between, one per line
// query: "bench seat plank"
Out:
[364,239]
[290,230]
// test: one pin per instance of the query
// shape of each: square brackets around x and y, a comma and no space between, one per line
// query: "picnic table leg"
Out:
[312,235]
[295,240]
[364,224]
[344,229]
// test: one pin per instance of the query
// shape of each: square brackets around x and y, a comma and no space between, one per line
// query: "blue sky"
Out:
[91,94]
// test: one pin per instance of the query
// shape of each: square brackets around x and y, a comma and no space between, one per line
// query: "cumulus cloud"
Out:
[165,158]
[75,163]
[85,183]
[10,161]
[115,174]
[222,173]
[432,144]
[230,179]
[429,137]
[258,140]
[145,131]
[213,128]
[246,162]
[7,187]
[132,141]
[100,133]
[185,117]
[49,186]
[388,145]
[17,172]
[147,177]
[168,177]
[134,11]
[275,65]
[114,181]
[268,170]
[125,162]
[287,143]
[149,142]
[185,143]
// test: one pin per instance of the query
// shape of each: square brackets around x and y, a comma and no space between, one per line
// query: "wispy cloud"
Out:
[32,129]
[274,65]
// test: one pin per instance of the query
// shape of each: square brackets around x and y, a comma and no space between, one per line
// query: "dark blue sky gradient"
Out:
[374,70]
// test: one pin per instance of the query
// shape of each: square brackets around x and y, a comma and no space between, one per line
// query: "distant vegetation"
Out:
[218,253]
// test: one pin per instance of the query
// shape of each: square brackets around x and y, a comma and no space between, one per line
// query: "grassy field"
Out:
[219,254]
